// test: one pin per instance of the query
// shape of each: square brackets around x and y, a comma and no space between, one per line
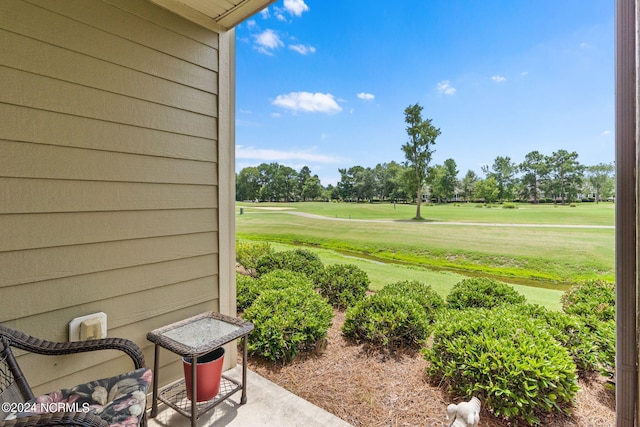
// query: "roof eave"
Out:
[231,15]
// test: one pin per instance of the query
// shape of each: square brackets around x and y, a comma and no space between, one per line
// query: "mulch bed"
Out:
[366,387]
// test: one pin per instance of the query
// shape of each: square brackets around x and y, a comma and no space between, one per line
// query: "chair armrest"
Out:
[84,419]
[35,345]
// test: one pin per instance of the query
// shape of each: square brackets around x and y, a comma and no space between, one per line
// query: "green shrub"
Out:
[572,333]
[249,290]
[248,253]
[246,291]
[591,298]
[482,293]
[287,322]
[387,320]
[594,302]
[509,206]
[342,284]
[420,292]
[298,260]
[605,340]
[509,360]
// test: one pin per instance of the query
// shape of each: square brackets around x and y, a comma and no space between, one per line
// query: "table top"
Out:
[199,334]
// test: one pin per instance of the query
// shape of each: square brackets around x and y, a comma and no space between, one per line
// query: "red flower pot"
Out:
[208,375]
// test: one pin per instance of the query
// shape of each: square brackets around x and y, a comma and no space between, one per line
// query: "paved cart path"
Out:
[426,223]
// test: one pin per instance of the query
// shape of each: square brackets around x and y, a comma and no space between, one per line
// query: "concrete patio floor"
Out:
[267,405]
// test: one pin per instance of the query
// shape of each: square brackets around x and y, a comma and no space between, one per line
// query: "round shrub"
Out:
[573,334]
[342,284]
[299,260]
[591,298]
[287,322]
[420,292]
[248,253]
[387,320]
[482,293]
[593,301]
[249,290]
[246,290]
[509,360]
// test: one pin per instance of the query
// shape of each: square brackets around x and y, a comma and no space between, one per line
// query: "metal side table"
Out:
[190,338]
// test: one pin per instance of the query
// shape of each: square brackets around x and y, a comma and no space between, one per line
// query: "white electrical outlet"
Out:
[88,327]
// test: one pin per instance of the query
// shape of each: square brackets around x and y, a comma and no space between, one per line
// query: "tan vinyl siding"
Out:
[109,175]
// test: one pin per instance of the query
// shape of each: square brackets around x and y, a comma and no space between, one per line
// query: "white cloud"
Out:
[265,13]
[498,79]
[267,41]
[605,133]
[296,7]
[366,96]
[302,49]
[262,154]
[446,88]
[524,73]
[307,101]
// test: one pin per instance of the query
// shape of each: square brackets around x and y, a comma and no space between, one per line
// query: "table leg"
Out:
[194,390]
[156,365]
[243,399]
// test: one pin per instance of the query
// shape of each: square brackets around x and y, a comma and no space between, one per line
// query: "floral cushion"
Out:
[120,401]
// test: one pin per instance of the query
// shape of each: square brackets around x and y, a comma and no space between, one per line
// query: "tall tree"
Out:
[303,176]
[248,184]
[345,185]
[600,178]
[504,172]
[312,189]
[417,151]
[487,189]
[565,174]
[363,183]
[468,185]
[534,169]
[443,180]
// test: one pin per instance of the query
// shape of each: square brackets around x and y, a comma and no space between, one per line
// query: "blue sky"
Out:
[324,83]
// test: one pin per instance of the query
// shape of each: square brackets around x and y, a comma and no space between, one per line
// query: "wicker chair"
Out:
[16,395]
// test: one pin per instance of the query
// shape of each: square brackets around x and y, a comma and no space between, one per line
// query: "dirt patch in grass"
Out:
[368,388]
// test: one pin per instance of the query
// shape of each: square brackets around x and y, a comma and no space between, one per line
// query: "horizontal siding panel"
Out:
[133,310]
[54,95]
[41,195]
[118,22]
[17,52]
[20,231]
[35,370]
[19,17]
[108,175]
[50,295]
[25,160]
[114,364]
[130,310]
[20,267]
[147,10]
[47,127]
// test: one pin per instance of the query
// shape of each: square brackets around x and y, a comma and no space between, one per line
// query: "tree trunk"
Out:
[418,204]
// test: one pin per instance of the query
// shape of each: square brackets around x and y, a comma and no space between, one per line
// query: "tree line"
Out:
[558,177]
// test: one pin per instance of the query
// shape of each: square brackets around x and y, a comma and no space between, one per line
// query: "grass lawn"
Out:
[582,214]
[505,247]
